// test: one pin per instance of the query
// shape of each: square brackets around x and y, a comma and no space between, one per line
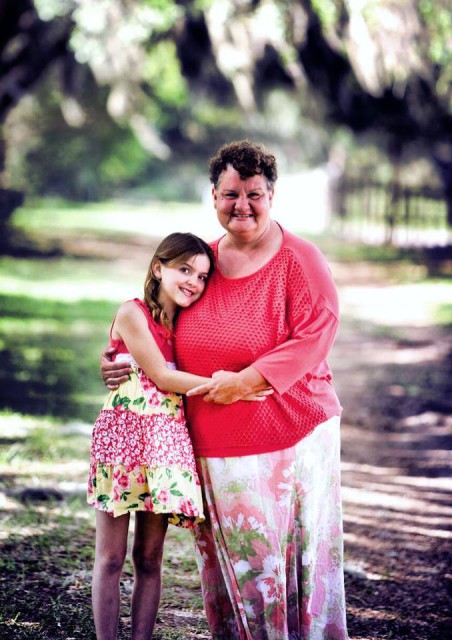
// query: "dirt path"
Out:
[395,384]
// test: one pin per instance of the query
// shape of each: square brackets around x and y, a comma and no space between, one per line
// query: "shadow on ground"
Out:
[396,441]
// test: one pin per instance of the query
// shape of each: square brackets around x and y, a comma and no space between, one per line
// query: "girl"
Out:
[141,455]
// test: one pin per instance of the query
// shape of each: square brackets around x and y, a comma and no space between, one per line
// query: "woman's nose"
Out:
[242,202]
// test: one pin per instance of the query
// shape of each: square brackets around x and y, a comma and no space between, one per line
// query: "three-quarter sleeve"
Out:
[302,354]
[312,317]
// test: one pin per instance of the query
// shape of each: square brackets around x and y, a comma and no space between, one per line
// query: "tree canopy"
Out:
[172,72]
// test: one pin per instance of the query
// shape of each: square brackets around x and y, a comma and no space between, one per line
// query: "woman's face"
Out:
[243,206]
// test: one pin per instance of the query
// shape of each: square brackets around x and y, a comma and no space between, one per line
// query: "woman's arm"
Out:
[312,333]
[306,348]
[304,353]
[131,326]
[113,372]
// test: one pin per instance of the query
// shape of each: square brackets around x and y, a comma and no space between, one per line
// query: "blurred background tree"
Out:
[99,96]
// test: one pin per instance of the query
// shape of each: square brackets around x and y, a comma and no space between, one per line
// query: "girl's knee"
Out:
[110,562]
[148,561]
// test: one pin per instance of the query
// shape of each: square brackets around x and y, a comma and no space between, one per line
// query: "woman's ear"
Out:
[271,193]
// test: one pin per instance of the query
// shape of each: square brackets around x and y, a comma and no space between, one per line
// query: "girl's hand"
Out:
[260,396]
[227,387]
[113,373]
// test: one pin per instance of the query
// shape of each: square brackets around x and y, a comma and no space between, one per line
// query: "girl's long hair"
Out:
[173,251]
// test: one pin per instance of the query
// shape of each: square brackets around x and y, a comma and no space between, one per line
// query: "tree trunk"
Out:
[442,157]
[9,198]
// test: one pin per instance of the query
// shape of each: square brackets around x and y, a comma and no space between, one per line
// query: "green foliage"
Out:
[438,20]
[162,71]
[51,9]
[83,163]
[327,11]
[130,49]
[444,314]
[125,164]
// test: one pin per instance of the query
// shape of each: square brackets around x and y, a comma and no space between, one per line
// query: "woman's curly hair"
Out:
[247,158]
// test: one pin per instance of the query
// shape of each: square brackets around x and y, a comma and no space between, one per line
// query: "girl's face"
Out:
[181,285]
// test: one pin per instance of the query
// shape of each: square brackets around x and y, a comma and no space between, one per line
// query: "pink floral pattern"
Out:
[142,456]
[270,552]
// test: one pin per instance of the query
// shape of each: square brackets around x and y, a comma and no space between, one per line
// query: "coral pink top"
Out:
[282,320]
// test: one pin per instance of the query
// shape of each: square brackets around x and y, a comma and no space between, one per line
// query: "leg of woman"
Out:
[110,553]
[318,526]
[150,531]
[276,540]
[242,554]
[218,600]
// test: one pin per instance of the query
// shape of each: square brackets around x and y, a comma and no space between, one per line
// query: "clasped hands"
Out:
[224,387]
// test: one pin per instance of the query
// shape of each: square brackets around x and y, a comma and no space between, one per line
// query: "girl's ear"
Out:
[157,270]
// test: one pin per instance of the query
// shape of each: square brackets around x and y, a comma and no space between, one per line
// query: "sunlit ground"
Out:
[415,304]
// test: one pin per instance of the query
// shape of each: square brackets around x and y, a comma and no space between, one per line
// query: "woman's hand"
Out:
[227,387]
[113,373]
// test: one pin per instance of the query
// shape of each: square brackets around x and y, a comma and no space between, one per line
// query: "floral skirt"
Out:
[271,550]
[142,457]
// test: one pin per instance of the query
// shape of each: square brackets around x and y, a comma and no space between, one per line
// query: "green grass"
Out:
[443,315]
[119,216]
[50,352]
[349,251]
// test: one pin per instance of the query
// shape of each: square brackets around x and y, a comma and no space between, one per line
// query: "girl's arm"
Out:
[131,326]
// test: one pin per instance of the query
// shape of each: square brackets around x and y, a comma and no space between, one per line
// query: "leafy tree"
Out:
[172,71]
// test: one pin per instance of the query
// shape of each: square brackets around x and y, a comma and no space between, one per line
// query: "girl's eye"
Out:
[184,270]
[203,278]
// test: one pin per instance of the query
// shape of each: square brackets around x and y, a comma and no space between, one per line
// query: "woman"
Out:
[270,552]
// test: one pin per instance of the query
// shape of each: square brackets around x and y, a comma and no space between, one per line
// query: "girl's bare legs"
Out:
[150,531]
[111,549]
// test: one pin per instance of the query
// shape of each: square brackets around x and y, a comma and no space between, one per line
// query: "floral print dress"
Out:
[270,552]
[141,453]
